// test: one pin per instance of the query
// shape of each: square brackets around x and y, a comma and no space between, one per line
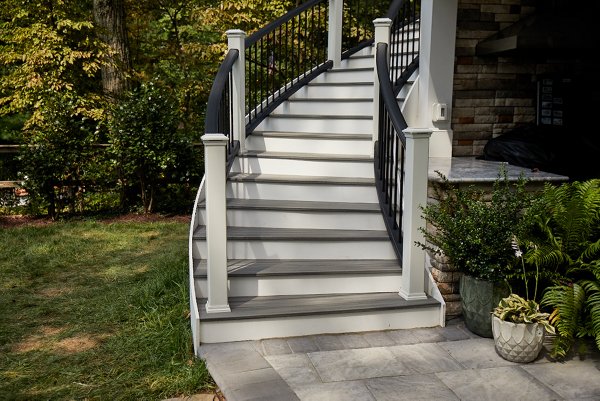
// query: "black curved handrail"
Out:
[218,108]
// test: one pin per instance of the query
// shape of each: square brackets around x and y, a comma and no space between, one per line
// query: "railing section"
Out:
[401,153]
[219,112]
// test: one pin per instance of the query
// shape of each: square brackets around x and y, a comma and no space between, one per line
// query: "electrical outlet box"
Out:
[440,112]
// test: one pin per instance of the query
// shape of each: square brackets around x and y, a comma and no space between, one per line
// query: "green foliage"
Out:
[58,155]
[47,48]
[475,233]
[146,143]
[568,245]
[517,309]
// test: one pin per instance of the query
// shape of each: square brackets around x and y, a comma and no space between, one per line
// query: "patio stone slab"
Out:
[276,346]
[425,358]
[356,364]
[410,388]
[378,339]
[302,344]
[297,370]
[329,342]
[353,341]
[344,391]
[493,384]
[573,380]
[403,337]
[475,353]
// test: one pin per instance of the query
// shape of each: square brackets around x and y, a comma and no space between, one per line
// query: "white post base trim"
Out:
[412,297]
[217,308]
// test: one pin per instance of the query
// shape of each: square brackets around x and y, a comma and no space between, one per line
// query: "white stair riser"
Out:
[303,219]
[241,330]
[324,107]
[330,125]
[302,192]
[344,76]
[361,62]
[316,168]
[305,249]
[334,91]
[306,285]
[404,91]
[309,145]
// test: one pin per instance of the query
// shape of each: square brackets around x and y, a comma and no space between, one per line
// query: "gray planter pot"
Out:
[478,300]
[517,342]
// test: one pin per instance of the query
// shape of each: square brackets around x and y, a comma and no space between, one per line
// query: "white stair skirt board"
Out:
[305,249]
[307,143]
[309,167]
[337,91]
[331,124]
[307,285]
[303,191]
[316,107]
[238,330]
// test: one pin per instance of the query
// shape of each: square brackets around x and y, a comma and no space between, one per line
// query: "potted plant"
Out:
[474,231]
[518,327]
[518,324]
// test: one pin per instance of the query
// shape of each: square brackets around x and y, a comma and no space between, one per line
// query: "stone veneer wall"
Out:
[493,94]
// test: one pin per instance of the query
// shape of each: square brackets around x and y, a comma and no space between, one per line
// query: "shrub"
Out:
[476,233]
[148,148]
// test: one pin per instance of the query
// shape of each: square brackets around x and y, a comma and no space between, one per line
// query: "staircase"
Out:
[307,247]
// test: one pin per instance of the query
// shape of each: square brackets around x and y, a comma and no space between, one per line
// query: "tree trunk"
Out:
[110,20]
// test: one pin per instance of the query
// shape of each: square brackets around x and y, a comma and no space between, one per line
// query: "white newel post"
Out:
[334,44]
[415,195]
[215,146]
[382,35]
[235,40]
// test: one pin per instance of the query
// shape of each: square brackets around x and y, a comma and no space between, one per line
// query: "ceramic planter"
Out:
[478,300]
[517,342]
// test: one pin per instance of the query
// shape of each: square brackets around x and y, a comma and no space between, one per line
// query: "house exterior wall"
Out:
[493,94]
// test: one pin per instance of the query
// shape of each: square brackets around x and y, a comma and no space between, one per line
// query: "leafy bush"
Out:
[473,232]
[58,156]
[567,244]
[148,147]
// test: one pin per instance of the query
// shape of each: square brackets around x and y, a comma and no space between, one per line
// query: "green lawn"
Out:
[96,310]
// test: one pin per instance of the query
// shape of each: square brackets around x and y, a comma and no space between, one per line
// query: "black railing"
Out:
[357,29]
[389,152]
[283,56]
[219,113]
[404,38]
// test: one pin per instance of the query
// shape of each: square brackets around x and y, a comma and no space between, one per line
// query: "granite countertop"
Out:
[470,169]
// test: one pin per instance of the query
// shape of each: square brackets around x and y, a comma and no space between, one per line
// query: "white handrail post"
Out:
[235,40]
[415,196]
[215,146]
[383,28]
[334,44]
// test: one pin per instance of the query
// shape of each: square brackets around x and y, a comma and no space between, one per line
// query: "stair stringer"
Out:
[194,311]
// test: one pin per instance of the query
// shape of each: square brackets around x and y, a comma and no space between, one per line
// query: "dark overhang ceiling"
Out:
[549,32]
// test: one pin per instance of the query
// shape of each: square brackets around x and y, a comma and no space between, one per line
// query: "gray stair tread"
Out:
[271,204]
[358,83]
[297,234]
[299,305]
[274,267]
[301,179]
[331,99]
[305,156]
[350,69]
[323,116]
[312,135]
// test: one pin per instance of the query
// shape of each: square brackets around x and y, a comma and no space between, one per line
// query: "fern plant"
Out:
[568,245]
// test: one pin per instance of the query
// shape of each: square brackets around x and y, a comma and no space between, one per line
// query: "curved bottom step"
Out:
[254,318]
